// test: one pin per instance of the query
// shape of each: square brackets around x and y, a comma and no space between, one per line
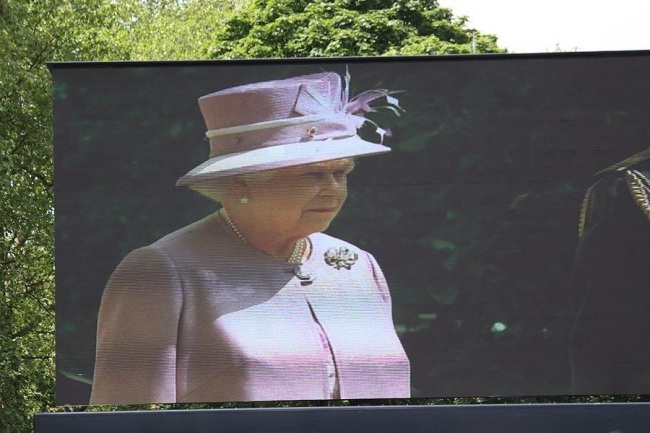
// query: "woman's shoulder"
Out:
[339,255]
[338,251]
[205,236]
[204,229]
[325,241]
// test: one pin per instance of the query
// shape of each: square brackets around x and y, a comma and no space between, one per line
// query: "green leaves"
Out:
[299,28]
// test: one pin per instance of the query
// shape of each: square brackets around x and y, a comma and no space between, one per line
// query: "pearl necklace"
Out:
[298,249]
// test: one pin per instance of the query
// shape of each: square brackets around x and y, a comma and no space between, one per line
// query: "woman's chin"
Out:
[317,222]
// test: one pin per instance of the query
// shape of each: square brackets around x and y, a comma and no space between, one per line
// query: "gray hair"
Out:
[217,189]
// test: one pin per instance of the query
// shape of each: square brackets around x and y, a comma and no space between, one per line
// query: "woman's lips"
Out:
[324,210]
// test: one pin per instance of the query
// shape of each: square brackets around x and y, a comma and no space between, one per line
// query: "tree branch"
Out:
[39,176]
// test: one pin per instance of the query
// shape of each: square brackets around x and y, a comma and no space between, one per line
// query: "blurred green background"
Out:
[472,216]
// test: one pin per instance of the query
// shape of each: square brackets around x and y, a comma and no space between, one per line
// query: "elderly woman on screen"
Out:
[253,302]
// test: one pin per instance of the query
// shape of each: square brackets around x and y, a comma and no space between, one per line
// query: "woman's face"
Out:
[300,200]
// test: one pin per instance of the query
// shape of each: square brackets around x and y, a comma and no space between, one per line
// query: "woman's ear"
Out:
[238,187]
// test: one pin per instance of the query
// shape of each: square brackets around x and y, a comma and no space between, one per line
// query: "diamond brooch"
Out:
[340,257]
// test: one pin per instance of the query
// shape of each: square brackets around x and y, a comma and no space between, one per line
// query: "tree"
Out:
[302,28]
[167,29]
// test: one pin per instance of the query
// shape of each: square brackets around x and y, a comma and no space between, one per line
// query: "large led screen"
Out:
[372,228]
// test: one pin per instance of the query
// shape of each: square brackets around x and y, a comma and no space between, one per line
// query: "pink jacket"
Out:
[199,316]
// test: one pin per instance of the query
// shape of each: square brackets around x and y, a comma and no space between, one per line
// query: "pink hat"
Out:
[281,123]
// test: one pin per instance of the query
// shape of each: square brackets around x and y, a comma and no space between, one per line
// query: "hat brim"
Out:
[279,156]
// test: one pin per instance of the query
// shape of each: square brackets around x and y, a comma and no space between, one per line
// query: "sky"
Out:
[525,26]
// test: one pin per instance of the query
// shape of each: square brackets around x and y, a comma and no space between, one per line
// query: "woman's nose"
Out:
[333,184]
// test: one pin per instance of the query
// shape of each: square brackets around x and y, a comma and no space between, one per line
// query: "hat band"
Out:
[277,123]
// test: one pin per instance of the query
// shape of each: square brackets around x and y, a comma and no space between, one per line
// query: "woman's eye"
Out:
[317,175]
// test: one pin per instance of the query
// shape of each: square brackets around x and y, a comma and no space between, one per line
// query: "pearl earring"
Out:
[244,200]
